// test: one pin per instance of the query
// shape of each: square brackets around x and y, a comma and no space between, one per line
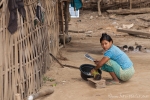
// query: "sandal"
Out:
[112,83]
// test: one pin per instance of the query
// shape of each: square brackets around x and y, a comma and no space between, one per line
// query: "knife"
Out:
[89,57]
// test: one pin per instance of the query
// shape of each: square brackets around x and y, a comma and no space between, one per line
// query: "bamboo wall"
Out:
[24,55]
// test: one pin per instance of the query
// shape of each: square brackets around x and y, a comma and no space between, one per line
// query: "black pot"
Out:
[86,69]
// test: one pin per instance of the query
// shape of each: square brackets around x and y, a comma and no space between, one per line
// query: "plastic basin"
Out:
[86,69]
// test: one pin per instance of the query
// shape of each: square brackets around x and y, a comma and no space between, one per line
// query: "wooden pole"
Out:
[99,7]
[66,16]
[130,4]
[63,23]
[1,71]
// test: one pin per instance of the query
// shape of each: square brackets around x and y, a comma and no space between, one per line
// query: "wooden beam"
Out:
[130,11]
[134,32]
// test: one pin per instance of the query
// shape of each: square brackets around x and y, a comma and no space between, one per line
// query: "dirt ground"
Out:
[69,85]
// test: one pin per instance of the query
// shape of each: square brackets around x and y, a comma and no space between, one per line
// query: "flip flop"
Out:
[112,83]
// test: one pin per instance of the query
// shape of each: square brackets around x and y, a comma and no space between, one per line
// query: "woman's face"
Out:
[106,44]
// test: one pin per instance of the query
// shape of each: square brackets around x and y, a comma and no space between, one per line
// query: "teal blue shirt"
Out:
[119,56]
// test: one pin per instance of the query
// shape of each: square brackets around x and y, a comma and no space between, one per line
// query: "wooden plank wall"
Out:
[24,55]
[116,4]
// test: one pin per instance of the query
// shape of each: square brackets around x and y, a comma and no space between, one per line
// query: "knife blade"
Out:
[89,57]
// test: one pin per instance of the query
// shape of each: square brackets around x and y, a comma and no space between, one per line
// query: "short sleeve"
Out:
[108,54]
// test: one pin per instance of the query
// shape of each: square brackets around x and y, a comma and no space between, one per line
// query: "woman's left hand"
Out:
[96,62]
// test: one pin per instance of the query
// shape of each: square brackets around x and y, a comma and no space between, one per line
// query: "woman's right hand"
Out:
[93,71]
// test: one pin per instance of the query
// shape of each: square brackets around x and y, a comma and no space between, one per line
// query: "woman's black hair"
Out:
[105,37]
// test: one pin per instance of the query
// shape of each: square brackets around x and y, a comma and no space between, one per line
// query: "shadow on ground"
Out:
[84,47]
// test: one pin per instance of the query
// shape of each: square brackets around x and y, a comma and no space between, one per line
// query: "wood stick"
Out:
[41,93]
[56,60]
[71,66]
[76,31]
[62,64]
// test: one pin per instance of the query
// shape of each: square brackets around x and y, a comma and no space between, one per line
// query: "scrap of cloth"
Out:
[13,6]
[77,4]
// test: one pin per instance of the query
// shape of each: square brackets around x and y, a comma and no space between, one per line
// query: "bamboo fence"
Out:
[24,55]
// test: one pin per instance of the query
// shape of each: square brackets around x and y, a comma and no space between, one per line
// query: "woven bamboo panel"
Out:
[24,55]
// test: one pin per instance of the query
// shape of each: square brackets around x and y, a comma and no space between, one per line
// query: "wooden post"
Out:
[140,4]
[66,16]
[57,9]
[120,1]
[1,71]
[17,97]
[99,7]
[130,4]
[63,23]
